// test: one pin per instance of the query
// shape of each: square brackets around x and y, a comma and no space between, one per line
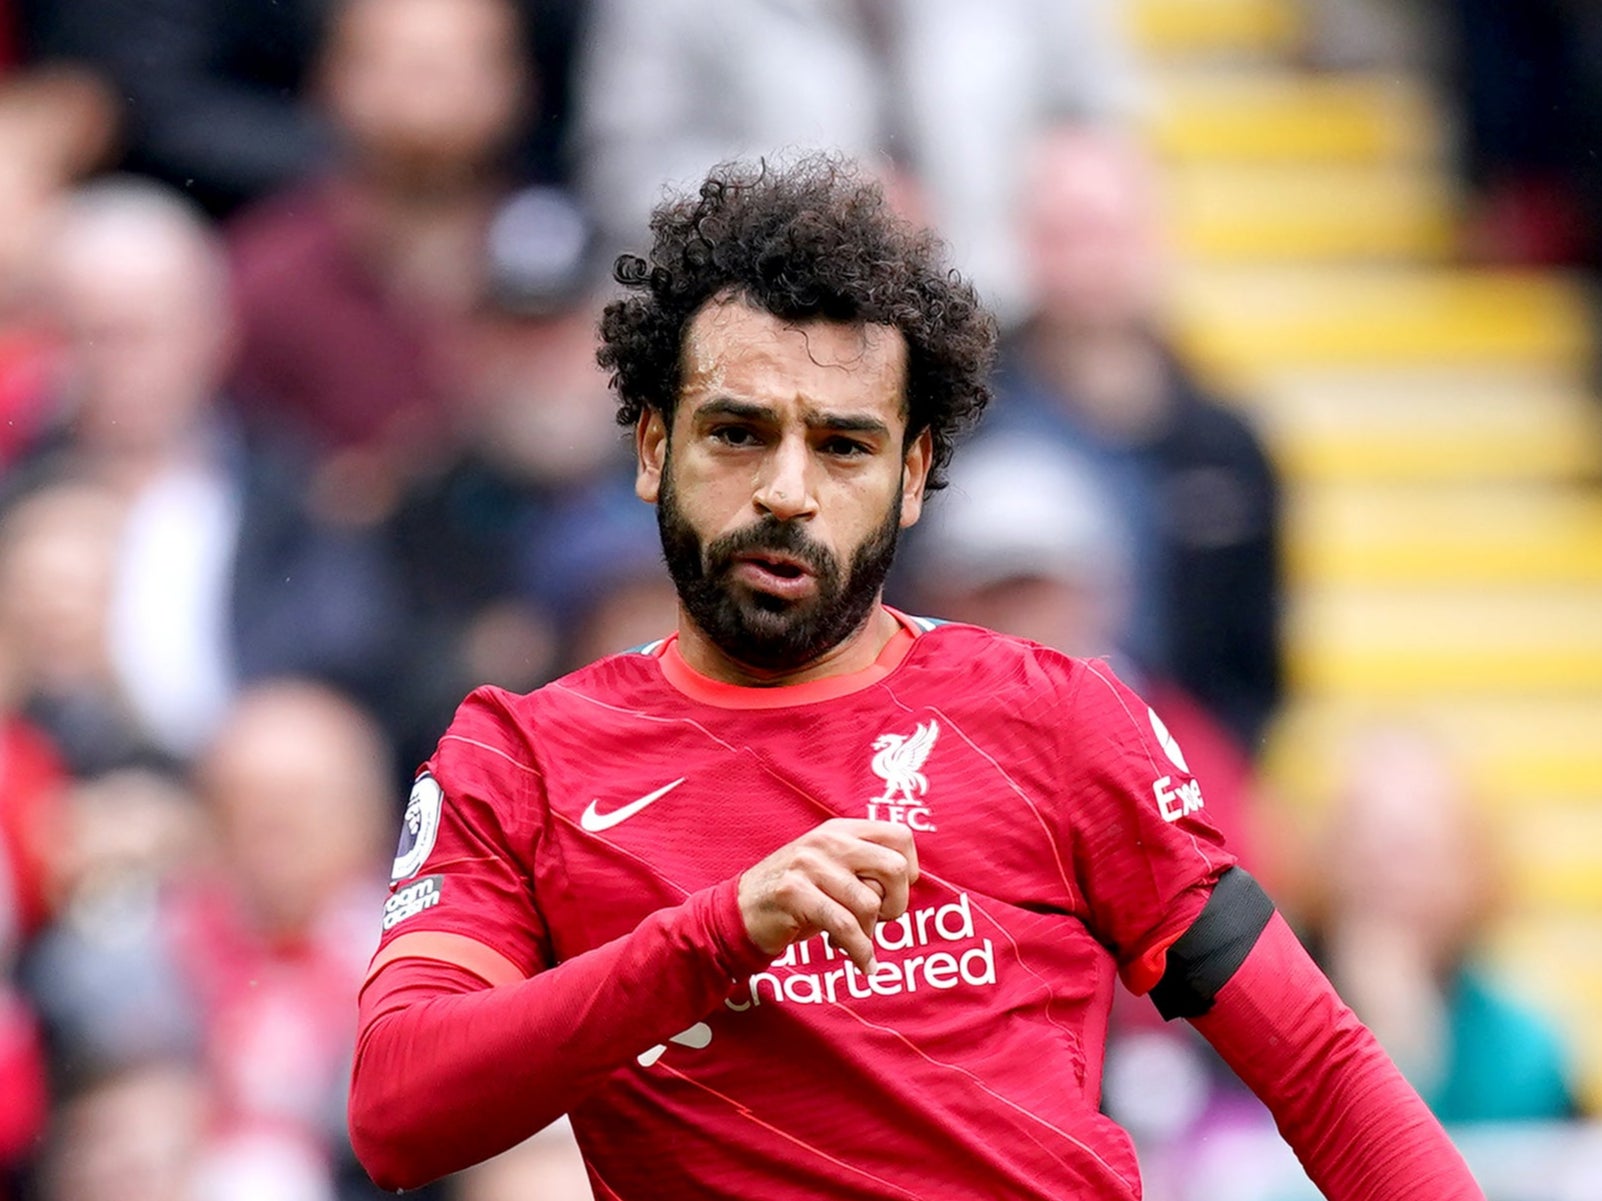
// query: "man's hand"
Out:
[841,878]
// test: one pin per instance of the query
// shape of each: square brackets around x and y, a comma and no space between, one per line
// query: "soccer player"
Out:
[814,899]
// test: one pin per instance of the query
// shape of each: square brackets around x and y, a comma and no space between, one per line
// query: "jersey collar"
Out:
[702,688]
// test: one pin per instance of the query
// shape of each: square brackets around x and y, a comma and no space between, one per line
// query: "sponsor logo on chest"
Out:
[898,760]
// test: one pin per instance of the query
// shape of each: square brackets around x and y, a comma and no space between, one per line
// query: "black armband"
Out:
[1214,947]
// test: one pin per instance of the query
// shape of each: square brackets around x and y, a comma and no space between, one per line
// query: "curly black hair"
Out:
[812,239]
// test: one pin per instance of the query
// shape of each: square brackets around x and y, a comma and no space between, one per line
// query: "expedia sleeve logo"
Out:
[412,900]
[419,828]
[1174,800]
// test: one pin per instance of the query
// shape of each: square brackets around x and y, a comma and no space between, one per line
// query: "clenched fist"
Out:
[841,878]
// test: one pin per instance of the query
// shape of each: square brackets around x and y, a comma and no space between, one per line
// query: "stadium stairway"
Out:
[1441,446]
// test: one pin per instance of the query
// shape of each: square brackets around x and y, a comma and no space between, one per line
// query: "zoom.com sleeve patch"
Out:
[412,900]
[419,828]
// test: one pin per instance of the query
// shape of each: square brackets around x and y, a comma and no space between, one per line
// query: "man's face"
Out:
[788,479]
[427,88]
[1091,231]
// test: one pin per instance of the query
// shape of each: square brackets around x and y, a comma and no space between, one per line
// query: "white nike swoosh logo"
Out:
[595,821]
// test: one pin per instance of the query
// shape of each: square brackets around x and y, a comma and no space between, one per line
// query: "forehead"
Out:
[734,349]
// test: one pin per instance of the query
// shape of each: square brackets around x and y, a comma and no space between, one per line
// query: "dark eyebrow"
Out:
[841,423]
[744,410]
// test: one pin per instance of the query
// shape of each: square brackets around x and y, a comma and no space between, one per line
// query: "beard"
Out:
[756,628]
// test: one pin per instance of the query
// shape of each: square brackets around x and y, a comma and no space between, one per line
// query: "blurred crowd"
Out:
[1524,78]
[302,437]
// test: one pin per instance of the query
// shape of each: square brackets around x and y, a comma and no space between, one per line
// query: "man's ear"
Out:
[650,453]
[914,474]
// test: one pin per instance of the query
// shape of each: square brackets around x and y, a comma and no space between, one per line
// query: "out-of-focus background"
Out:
[301,438]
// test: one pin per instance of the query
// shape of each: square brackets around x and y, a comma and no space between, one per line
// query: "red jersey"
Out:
[1061,840]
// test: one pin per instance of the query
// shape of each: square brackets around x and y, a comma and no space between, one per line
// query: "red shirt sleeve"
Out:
[1145,853]
[449,1072]
[461,888]
[1358,1127]
[471,1037]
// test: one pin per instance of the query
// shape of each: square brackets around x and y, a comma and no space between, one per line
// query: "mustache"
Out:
[769,534]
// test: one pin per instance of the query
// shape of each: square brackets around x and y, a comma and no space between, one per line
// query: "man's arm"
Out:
[450,1071]
[452,1068]
[1360,1130]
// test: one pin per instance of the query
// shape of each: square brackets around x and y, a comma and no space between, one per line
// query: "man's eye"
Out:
[734,435]
[846,447]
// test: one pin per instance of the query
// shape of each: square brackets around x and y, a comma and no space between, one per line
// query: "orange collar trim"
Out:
[826,688]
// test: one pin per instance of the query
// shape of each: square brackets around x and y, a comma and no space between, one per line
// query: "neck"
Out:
[856,652]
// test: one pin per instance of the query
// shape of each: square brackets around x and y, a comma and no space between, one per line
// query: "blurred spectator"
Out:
[949,90]
[219,575]
[1026,541]
[30,781]
[1090,371]
[274,945]
[1529,77]
[237,944]
[219,96]
[32,778]
[134,1135]
[58,549]
[546,1167]
[55,126]
[499,547]
[1409,886]
[109,996]
[355,287]
[619,592]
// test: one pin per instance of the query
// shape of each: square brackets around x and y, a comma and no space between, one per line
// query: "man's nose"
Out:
[785,489]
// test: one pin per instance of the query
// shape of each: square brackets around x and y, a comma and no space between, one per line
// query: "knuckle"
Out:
[791,889]
[812,861]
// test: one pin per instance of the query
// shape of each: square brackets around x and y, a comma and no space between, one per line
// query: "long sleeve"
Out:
[449,1071]
[1358,1127]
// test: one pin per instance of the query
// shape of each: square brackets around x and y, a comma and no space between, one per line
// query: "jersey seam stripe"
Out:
[644,716]
[985,1088]
[1061,868]
[1056,851]
[1051,993]
[1091,667]
[622,850]
[747,749]
[494,750]
[1151,760]
[746,1112]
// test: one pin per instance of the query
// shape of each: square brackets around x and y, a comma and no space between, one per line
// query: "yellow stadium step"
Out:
[1269,212]
[1359,393]
[1551,854]
[1566,447]
[1188,28]
[1221,116]
[1523,752]
[1401,641]
[1451,426]
[1467,535]
[1245,322]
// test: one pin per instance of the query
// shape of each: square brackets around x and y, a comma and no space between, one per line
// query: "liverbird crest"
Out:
[898,761]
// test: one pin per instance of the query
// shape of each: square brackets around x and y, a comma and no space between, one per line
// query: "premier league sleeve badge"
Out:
[419,828]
